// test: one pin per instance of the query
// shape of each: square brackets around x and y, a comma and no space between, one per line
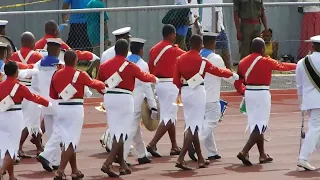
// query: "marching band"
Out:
[190,79]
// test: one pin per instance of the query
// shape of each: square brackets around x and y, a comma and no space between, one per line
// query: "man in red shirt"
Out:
[26,55]
[68,86]
[11,116]
[189,78]
[163,57]
[255,73]
[119,75]
[52,31]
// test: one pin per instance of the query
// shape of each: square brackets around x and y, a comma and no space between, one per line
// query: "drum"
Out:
[150,124]
[224,106]
[11,47]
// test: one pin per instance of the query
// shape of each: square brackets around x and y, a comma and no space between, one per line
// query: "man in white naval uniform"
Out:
[51,156]
[141,91]
[123,33]
[308,83]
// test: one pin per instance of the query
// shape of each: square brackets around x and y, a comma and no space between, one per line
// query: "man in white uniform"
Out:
[123,33]
[51,156]
[141,91]
[308,83]
[213,108]
[222,43]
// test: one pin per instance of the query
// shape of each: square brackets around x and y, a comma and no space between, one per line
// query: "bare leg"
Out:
[107,165]
[188,138]
[66,156]
[75,173]
[172,136]
[162,129]
[124,169]
[37,142]
[196,142]
[8,163]
[24,136]
[94,64]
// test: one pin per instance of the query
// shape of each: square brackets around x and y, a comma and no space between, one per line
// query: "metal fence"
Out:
[146,22]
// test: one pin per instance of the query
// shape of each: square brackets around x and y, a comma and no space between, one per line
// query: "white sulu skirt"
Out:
[258,106]
[69,123]
[194,105]
[31,116]
[120,114]
[167,94]
[10,132]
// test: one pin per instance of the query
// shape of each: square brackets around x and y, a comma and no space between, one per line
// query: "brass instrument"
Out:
[101,108]
[178,101]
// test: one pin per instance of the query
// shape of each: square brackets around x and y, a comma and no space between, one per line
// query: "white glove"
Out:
[50,105]
[235,76]
[157,80]
[154,114]
[87,91]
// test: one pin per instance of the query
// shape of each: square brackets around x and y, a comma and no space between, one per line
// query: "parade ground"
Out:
[285,127]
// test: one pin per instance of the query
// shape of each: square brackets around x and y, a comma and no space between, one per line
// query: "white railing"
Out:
[141,8]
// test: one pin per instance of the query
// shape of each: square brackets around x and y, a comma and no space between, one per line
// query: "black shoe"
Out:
[153,151]
[144,160]
[192,152]
[55,167]
[215,157]
[45,163]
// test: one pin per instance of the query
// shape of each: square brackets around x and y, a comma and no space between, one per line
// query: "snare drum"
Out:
[224,106]
[7,40]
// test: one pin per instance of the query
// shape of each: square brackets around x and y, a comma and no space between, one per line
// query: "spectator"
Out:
[182,30]
[310,26]
[93,23]
[272,46]
[78,36]
[248,16]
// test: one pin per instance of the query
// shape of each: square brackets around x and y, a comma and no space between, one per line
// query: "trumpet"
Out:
[101,108]
[178,101]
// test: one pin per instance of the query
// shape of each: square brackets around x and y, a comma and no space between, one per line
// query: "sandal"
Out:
[109,170]
[244,159]
[77,176]
[183,165]
[268,159]
[23,155]
[175,151]
[124,171]
[60,176]
[204,164]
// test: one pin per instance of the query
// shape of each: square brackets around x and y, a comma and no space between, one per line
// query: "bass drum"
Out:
[45,53]
[12,48]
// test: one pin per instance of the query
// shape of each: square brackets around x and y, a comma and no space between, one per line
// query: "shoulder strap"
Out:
[251,67]
[312,73]
[203,65]
[21,58]
[123,66]
[75,77]
[161,53]
[14,90]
